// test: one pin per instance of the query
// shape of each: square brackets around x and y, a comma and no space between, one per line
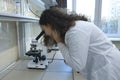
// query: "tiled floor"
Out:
[57,70]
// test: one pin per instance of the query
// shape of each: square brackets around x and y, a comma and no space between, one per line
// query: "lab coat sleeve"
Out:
[75,50]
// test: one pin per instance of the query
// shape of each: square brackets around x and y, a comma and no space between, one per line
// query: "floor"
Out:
[57,70]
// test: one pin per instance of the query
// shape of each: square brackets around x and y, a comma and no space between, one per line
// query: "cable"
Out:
[52,58]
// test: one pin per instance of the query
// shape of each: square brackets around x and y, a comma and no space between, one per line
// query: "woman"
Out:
[83,45]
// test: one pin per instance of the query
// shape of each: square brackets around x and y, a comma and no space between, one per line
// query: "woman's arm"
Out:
[75,51]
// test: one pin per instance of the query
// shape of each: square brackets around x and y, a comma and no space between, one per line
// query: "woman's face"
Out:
[47,29]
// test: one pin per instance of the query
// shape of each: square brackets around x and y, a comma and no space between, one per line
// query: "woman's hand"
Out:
[56,36]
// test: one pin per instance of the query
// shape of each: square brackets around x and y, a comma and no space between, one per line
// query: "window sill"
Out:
[114,39]
[14,17]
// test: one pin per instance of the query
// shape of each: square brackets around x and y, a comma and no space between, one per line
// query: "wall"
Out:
[8,44]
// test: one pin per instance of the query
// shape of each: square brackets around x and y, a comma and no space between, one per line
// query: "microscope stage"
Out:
[39,65]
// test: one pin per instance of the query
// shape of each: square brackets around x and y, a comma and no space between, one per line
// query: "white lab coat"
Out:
[89,51]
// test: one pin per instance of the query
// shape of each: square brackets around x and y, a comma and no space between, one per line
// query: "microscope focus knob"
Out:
[43,57]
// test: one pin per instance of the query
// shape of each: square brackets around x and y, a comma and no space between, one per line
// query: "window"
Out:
[110,17]
[86,7]
[104,13]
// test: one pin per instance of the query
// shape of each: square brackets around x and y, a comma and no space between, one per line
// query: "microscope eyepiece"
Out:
[39,35]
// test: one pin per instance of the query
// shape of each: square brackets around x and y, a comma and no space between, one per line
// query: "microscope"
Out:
[39,55]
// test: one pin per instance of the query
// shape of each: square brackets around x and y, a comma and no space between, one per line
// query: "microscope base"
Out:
[39,65]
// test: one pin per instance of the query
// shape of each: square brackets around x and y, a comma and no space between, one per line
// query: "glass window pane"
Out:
[110,19]
[86,7]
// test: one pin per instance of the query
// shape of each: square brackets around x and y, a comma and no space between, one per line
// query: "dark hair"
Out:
[60,20]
